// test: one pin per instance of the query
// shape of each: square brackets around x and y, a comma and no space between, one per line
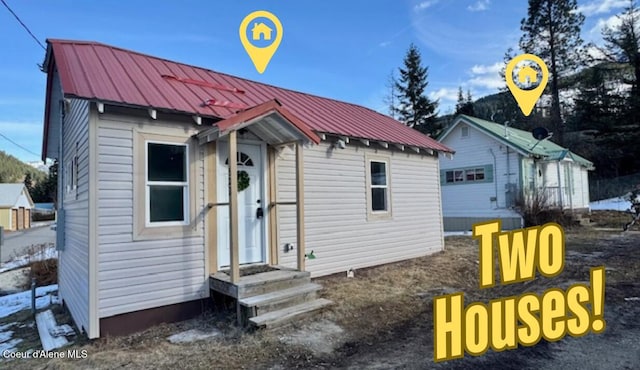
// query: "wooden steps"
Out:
[286,315]
[278,299]
[273,298]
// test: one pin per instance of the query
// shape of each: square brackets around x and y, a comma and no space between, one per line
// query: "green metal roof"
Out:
[521,140]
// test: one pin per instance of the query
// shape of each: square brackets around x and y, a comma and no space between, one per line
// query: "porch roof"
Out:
[270,121]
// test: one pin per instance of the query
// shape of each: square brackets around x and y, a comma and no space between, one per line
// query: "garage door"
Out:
[21,218]
[14,219]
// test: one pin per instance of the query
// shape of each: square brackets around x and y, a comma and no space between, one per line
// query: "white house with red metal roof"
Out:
[150,222]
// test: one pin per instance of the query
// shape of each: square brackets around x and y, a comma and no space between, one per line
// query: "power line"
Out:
[16,144]
[23,25]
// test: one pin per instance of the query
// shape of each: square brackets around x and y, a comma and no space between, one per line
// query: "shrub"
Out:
[45,272]
[535,210]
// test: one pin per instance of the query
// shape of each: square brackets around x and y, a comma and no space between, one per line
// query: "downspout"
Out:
[60,216]
[495,173]
[570,186]
[559,185]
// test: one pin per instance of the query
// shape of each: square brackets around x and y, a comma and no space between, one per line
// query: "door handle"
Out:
[259,213]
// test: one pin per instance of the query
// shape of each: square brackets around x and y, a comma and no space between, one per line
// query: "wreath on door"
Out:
[243,180]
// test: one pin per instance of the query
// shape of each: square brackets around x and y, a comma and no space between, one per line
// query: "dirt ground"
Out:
[382,319]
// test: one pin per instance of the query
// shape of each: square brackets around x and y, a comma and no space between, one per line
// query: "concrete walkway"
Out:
[15,242]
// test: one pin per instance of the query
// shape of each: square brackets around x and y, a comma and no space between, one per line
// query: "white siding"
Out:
[74,259]
[474,199]
[573,182]
[336,225]
[140,274]
[23,201]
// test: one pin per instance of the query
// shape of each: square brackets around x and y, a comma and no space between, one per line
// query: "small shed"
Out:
[15,207]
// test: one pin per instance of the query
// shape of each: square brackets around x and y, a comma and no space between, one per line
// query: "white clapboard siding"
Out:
[140,274]
[474,200]
[336,225]
[73,273]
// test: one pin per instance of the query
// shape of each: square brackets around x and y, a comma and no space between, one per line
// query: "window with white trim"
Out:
[477,174]
[464,131]
[166,184]
[379,186]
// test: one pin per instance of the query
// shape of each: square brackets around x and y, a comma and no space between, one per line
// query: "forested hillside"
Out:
[13,170]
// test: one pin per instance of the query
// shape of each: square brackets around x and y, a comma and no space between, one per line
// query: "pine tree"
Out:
[460,102]
[622,43]
[390,100]
[414,108]
[464,105]
[552,32]
[28,182]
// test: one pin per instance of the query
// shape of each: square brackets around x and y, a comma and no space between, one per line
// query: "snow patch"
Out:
[193,335]
[17,302]
[612,204]
[41,255]
[46,324]
[9,345]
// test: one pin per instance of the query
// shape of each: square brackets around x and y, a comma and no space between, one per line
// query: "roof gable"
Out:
[519,140]
[95,71]
[10,194]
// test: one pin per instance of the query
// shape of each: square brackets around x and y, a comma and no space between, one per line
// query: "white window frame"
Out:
[184,184]
[378,214]
[464,132]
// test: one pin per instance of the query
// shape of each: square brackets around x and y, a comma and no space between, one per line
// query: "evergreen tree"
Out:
[460,102]
[414,108]
[551,31]
[28,182]
[390,100]
[464,105]
[622,44]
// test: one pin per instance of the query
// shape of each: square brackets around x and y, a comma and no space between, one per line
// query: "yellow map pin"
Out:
[260,56]
[527,75]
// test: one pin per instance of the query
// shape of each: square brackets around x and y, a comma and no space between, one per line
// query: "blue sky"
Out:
[340,49]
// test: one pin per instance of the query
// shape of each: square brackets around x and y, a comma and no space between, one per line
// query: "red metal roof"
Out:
[95,71]
[259,110]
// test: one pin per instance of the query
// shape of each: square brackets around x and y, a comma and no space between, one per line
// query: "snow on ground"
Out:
[193,335]
[47,253]
[456,233]
[612,204]
[14,281]
[13,303]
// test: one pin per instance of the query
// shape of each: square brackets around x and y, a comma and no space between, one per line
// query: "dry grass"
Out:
[379,301]
[612,219]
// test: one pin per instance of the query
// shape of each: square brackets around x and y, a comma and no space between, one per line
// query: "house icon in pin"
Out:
[527,75]
[261,31]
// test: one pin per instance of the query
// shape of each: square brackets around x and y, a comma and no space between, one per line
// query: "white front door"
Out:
[250,191]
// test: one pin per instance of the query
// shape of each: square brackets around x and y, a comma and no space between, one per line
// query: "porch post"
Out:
[300,205]
[233,208]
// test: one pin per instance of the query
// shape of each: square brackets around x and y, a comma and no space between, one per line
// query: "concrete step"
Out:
[272,301]
[286,315]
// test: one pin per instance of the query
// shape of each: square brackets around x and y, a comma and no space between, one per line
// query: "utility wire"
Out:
[23,25]
[18,145]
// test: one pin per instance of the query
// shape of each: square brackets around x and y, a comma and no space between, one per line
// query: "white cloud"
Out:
[602,6]
[384,44]
[479,69]
[486,76]
[488,82]
[479,6]
[611,22]
[444,94]
[425,4]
